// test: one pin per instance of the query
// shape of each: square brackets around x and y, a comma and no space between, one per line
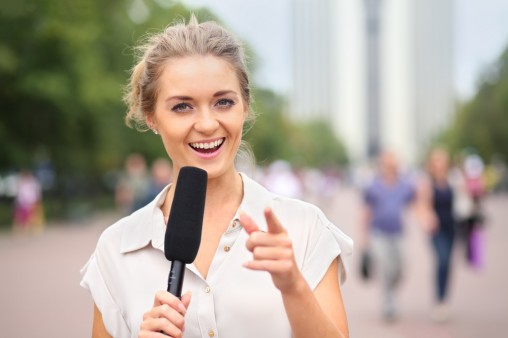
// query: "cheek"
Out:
[169,146]
[172,140]
[239,130]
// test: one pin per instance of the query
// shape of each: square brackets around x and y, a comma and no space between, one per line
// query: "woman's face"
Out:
[439,164]
[199,113]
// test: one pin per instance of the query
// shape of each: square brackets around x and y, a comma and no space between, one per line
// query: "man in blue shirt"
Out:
[385,200]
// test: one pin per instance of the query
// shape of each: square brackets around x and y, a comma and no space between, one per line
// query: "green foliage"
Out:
[63,65]
[268,137]
[276,137]
[482,123]
[319,146]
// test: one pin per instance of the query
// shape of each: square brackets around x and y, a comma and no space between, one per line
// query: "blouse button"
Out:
[227,248]
[211,333]
[207,289]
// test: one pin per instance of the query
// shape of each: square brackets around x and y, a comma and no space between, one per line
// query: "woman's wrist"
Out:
[297,288]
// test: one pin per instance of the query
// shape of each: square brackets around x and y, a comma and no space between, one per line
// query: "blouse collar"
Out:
[146,225]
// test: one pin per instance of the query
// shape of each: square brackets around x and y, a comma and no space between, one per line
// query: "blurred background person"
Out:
[281,179]
[386,198]
[133,185]
[437,192]
[28,209]
[161,175]
[472,234]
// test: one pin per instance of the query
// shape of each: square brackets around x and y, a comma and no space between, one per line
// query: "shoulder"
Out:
[257,198]
[409,183]
[303,220]
[109,245]
[127,234]
[370,190]
[111,237]
[135,231]
[296,209]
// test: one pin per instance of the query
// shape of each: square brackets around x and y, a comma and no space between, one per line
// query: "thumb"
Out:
[186,298]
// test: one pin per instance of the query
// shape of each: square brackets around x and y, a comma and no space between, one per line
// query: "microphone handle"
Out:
[175,280]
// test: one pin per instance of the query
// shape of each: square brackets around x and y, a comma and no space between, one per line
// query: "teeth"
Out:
[208,145]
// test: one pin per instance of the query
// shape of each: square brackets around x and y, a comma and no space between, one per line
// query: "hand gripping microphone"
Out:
[183,231]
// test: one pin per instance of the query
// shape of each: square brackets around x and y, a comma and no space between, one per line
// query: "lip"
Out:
[209,155]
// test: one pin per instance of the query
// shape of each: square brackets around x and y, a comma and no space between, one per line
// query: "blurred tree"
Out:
[269,137]
[63,65]
[318,145]
[482,123]
[276,137]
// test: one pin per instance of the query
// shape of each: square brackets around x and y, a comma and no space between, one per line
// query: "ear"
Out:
[150,122]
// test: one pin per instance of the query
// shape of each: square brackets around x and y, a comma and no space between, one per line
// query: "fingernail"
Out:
[182,308]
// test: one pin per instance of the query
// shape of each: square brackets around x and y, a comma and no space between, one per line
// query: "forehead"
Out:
[198,73]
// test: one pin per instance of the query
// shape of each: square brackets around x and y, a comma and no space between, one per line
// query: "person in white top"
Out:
[267,266]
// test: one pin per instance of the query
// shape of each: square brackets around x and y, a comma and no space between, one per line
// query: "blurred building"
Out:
[379,70]
[315,51]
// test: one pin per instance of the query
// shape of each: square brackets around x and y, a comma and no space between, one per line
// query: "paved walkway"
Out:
[479,298]
[40,294]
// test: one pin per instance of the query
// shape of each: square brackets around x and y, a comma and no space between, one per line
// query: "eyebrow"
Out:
[224,92]
[179,97]
[188,98]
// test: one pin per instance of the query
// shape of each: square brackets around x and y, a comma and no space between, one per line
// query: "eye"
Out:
[225,103]
[181,107]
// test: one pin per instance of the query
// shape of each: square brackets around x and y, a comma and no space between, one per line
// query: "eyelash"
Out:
[181,107]
[221,104]
[225,103]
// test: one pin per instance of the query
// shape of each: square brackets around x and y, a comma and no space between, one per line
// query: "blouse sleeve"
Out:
[92,279]
[326,243]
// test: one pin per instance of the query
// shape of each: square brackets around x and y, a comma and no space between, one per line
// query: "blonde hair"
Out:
[437,154]
[180,40]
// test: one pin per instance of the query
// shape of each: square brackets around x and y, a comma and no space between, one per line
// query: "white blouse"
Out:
[128,267]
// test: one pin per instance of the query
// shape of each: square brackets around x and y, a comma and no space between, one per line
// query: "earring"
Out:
[155,131]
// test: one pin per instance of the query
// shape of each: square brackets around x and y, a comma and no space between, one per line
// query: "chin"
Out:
[215,172]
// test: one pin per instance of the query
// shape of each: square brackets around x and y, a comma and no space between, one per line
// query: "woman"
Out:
[439,193]
[191,87]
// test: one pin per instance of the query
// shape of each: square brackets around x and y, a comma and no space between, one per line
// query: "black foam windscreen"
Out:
[183,232]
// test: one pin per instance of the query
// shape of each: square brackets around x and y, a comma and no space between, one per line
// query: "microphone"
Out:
[183,231]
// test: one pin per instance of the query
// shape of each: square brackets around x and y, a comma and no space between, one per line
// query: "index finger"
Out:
[248,223]
[274,226]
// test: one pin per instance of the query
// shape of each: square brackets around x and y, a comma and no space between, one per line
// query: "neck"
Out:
[225,189]
[440,179]
[389,179]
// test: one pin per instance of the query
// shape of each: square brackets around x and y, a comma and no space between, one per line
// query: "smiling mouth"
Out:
[207,147]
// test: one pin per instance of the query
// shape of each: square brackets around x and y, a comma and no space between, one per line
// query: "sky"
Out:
[481,34]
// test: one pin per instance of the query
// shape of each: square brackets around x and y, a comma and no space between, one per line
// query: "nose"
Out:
[206,122]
